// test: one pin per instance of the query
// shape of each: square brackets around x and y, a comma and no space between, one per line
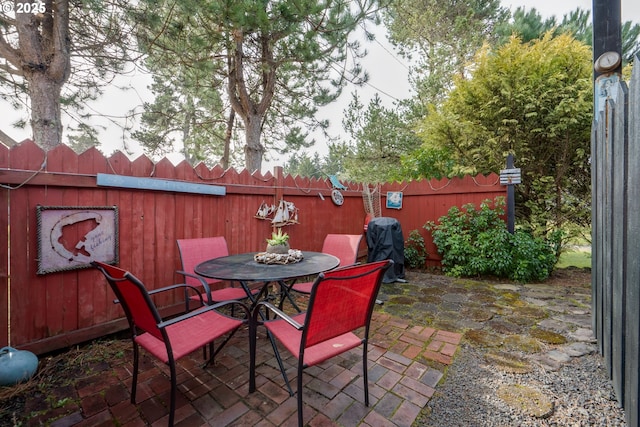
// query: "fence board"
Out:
[4,255]
[597,226]
[59,292]
[28,298]
[631,357]
[607,302]
[619,236]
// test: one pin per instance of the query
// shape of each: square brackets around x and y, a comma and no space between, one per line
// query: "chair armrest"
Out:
[170,288]
[203,282]
[195,276]
[277,312]
[204,309]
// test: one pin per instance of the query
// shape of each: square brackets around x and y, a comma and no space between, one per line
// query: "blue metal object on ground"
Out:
[16,365]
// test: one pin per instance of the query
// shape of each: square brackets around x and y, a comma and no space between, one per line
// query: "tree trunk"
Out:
[44,60]
[253,149]
[46,122]
[252,113]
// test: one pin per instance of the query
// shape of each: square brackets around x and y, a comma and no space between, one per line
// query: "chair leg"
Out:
[134,382]
[279,360]
[300,404]
[365,373]
[172,404]
[253,337]
[186,301]
[285,291]
[213,353]
[252,356]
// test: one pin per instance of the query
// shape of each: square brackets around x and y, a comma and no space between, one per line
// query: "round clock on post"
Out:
[607,62]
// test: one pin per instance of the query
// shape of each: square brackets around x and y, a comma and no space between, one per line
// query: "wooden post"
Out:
[278,172]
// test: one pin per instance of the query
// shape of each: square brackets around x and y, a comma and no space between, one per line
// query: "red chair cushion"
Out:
[226,294]
[189,335]
[290,337]
[304,288]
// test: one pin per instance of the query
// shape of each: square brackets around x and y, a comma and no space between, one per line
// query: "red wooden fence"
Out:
[47,312]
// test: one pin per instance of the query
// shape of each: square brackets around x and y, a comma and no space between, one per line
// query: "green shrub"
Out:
[415,253]
[533,258]
[476,243]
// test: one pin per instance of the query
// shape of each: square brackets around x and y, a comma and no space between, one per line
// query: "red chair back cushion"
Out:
[342,301]
[134,298]
[195,251]
[343,246]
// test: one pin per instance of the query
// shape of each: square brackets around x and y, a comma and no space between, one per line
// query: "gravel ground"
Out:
[580,391]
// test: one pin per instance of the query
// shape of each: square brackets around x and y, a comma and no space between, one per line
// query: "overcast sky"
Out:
[387,71]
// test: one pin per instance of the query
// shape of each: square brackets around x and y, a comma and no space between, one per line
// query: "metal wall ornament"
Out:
[285,214]
[336,197]
[265,211]
[70,238]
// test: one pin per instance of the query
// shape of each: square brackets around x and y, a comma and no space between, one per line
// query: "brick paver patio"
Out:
[406,363]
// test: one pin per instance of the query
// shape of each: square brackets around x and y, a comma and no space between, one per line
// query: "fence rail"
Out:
[615,153]
[51,311]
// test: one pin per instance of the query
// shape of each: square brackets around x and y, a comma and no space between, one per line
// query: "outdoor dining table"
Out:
[244,269]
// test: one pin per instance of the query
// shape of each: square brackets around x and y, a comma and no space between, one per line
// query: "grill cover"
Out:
[385,241]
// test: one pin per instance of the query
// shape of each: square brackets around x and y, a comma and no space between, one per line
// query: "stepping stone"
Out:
[553,324]
[583,335]
[546,362]
[507,287]
[536,302]
[528,400]
[455,297]
[558,356]
[578,349]
[580,320]
[508,362]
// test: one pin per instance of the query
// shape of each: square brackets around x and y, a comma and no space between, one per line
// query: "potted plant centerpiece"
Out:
[278,243]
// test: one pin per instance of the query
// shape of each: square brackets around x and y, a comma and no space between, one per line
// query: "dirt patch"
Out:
[570,276]
[51,393]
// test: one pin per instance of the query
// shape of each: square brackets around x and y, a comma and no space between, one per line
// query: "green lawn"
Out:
[575,258]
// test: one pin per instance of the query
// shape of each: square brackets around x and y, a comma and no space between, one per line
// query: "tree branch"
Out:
[10,54]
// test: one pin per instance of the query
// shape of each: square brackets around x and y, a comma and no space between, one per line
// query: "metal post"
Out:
[511,202]
[607,29]
[607,41]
